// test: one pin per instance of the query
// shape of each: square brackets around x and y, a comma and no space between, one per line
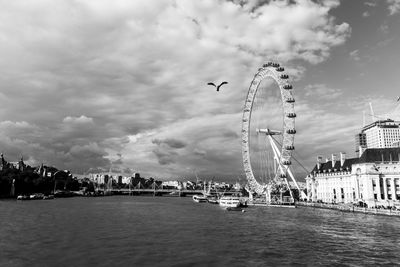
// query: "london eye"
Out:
[268,130]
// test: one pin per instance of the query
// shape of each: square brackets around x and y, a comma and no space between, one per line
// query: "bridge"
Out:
[159,192]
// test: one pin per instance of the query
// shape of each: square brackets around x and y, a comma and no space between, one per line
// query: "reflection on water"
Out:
[161,231]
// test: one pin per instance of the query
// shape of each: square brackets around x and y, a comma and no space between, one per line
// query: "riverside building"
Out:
[373,178]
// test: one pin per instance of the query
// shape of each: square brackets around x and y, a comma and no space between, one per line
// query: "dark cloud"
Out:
[199,152]
[165,157]
[171,142]
[230,134]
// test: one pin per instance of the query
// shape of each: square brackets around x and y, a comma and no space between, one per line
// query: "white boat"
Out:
[213,199]
[199,198]
[229,201]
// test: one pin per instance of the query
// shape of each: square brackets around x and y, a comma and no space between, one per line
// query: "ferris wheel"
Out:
[282,151]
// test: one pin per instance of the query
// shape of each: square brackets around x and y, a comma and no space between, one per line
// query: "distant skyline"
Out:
[124,83]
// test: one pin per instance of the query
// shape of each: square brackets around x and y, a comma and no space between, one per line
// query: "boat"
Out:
[23,197]
[212,199]
[229,201]
[199,198]
[36,196]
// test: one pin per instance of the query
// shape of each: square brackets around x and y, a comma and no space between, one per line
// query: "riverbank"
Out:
[348,208]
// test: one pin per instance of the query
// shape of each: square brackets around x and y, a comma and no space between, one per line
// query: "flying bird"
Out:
[213,84]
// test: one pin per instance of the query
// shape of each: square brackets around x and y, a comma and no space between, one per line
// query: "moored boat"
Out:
[23,197]
[212,199]
[36,196]
[229,201]
[199,198]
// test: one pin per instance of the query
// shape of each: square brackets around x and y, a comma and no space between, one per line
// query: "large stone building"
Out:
[373,178]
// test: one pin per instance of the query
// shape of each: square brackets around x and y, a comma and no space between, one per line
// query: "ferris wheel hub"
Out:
[269,131]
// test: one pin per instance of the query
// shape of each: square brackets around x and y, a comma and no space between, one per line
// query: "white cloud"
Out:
[371,4]
[384,28]
[393,6]
[355,55]
[78,120]
[321,91]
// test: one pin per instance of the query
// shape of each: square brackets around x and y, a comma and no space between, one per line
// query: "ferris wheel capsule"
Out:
[269,63]
[291,131]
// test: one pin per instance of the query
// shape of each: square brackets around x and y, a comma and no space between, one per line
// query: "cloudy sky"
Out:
[93,84]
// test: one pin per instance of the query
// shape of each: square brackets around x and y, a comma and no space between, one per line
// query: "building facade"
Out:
[381,134]
[373,179]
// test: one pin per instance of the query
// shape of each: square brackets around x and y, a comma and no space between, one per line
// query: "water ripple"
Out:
[147,231]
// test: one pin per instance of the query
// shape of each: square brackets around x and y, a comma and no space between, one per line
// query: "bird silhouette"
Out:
[213,84]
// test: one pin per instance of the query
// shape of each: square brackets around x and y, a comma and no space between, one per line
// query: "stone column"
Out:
[313,191]
[378,189]
[393,189]
[357,187]
[385,191]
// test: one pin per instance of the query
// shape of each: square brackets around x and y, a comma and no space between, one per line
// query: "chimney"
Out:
[333,160]
[319,160]
[342,158]
[360,151]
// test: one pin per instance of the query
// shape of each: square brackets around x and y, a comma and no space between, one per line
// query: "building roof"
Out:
[388,123]
[326,166]
[370,155]
[380,155]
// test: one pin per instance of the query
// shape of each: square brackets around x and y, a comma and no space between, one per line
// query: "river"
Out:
[167,231]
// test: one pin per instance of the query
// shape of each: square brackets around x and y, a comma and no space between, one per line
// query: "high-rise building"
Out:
[361,142]
[379,134]
[382,134]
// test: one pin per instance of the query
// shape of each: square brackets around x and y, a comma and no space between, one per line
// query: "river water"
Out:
[167,231]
